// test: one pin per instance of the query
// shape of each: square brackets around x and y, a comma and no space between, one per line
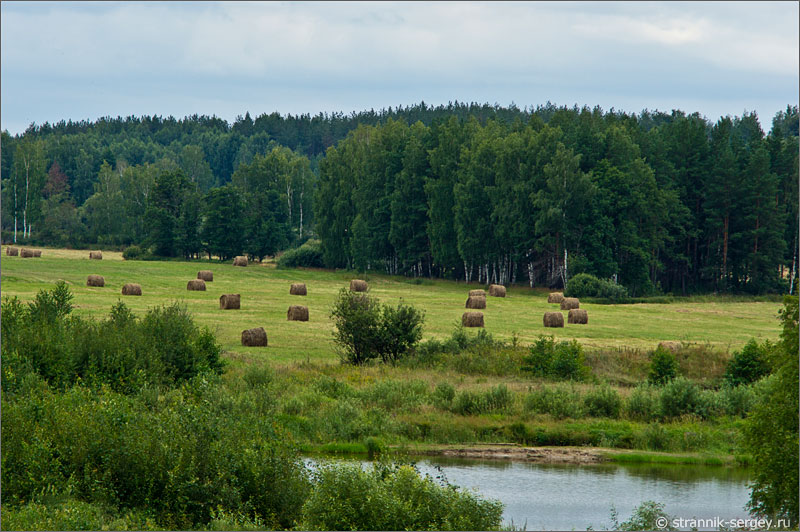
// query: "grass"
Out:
[717,323]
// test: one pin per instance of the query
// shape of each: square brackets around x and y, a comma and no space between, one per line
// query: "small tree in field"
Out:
[364,329]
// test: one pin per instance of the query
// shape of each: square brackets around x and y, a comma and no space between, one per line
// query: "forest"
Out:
[657,202]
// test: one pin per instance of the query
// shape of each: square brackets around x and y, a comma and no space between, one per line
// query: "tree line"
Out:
[654,201]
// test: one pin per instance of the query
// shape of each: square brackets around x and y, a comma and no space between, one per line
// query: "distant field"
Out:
[265,299]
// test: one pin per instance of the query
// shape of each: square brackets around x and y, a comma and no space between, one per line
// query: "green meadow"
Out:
[718,323]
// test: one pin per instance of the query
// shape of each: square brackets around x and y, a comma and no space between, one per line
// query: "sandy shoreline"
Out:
[545,455]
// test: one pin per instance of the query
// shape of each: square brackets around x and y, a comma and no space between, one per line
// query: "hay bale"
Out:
[26,253]
[578,315]
[555,297]
[298,289]
[481,293]
[229,301]
[196,284]
[37,252]
[131,289]
[96,255]
[472,319]
[95,280]
[254,337]
[497,290]
[12,251]
[670,346]
[553,319]
[357,285]
[570,303]
[241,260]
[297,313]
[476,302]
[206,275]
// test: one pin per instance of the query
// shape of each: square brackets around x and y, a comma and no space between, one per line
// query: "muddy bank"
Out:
[545,455]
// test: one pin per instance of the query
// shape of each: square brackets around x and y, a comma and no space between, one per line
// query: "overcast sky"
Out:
[80,60]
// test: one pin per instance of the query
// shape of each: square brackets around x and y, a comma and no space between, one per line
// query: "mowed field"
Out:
[265,299]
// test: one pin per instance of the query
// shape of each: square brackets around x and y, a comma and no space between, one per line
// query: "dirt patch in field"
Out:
[545,455]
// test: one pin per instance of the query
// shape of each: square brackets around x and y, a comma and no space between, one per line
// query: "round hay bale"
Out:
[37,252]
[229,301]
[26,253]
[553,319]
[477,293]
[670,346]
[297,313]
[570,303]
[476,302]
[12,251]
[241,260]
[472,319]
[254,337]
[357,285]
[497,290]
[206,275]
[196,284]
[95,280]
[96,255]
[555,297]
[578,315]
[131,289]
[298,289]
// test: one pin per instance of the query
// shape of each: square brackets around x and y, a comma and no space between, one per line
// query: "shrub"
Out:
[564,360]
[603,402]
[347,497]
[443,395]
[649,515]
[663,367]
[496,399]
[643,403]
[748,365]
[132,253]
[680,396]
[558,401]
[587,285]
[363,329]
[308,255]
[163,347]
[738,400]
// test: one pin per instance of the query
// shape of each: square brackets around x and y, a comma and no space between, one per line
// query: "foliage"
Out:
[649,515]
[771,430]
[364,329]
[308,255]
[603,402]
[587,285]
[164,346]
[748,365]
[564,361]
[496,399]
[346,497]
[663,366]
[132,253]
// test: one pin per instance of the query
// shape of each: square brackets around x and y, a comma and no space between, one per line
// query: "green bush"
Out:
[164,347]
[558,401]
[643,403]
[663,367]
[649,515]
[443,395]
[364,330]
[680,396]
[132,253]
[587,285]
[564,360]
[308,255]
[603,402]
[496,399]
[748,365]
[738,400]
[347,497]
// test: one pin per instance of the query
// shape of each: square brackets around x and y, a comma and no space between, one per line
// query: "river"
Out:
[576,497]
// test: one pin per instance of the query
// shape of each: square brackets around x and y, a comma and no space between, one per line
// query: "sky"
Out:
[85,60]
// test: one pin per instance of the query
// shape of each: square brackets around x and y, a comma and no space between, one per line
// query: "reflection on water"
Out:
[576,497]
